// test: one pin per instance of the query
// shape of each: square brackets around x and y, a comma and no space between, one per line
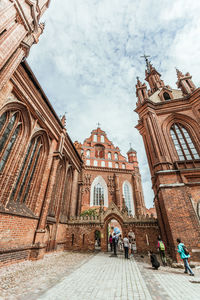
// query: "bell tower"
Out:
[169,124]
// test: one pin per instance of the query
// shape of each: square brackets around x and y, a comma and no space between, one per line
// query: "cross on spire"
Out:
[147,61]
[98,124]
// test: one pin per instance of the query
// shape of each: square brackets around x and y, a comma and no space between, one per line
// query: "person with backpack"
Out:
[114,242]
[161,248]
[184,254]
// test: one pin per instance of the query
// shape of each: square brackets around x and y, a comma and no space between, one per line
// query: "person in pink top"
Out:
[110,241]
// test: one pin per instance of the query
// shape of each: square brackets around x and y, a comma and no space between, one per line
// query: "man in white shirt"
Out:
[126,246]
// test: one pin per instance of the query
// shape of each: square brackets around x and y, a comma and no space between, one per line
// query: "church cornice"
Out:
[110,170]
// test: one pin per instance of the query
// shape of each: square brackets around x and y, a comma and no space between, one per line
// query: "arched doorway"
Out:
[97,239]
[114,228]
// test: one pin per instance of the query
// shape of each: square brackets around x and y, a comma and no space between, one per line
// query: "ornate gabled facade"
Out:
[169,124]
[108,176]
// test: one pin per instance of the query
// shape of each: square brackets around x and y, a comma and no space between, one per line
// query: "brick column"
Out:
[72,208]
[117,191]
[11,67]
[5,92]
[10,44]
[52,178]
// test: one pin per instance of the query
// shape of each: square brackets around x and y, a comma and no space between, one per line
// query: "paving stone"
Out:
[76,276]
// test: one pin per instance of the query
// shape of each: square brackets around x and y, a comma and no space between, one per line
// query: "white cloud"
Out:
[89,55]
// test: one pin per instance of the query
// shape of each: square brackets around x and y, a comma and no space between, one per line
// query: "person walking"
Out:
[161,247]
[132,248]
[111,243]
[184,254]
[126,246]
[120,243]
[114,242]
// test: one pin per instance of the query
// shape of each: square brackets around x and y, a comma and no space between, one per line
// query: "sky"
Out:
[89,55]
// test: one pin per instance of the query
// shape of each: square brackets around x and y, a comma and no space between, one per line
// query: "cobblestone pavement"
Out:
[75,276]
[28,279]
[111,278]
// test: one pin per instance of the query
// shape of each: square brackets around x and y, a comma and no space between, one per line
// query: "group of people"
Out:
[125,244]
[181,249]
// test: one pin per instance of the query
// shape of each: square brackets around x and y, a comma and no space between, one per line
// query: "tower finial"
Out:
[147,62]
[63,119]
[178,72]
[98,125]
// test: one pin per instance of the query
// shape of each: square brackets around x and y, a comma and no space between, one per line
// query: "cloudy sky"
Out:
[88,58]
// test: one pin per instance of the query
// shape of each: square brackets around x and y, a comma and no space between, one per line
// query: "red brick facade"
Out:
[81,230]
[104,161]
[169,124]
[44,182]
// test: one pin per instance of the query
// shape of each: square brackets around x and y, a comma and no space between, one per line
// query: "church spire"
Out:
[185,82]
[141,91]
[152,77]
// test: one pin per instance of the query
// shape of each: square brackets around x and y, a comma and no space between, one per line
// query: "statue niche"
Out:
[99,151]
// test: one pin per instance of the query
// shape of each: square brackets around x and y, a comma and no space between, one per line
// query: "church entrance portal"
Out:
[113,227]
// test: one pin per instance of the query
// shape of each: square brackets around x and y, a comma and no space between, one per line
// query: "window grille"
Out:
[127,197]
[10,128]
[98,194]
[183,143]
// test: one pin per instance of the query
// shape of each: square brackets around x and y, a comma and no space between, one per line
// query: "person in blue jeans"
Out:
[184,257]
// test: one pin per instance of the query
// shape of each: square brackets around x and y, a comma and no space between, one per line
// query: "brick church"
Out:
[47,182]
[169,122]
[108,176]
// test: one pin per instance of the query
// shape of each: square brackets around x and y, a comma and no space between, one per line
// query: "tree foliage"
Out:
[89,212]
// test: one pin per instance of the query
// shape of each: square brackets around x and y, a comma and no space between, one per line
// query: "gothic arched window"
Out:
[99,191]
[166,96]
[95,138]
[109,155]
[10,128]
[88,153]
[28,168]
[98,194]
[116,156]
[127,193]
[102,139]
[103,163]
[183,143]
[95,163]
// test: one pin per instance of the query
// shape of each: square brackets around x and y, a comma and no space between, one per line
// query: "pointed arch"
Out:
[26,189]
[98,191]
[128,197]
[15,130]
[188,123]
